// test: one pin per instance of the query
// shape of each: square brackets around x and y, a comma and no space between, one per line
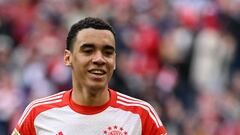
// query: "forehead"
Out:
[95,36]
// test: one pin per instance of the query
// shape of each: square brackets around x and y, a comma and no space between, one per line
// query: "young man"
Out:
[90,107]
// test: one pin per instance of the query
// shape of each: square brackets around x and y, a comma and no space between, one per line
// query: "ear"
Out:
[67,58]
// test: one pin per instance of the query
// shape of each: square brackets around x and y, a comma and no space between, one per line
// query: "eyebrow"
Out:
[109,47]
[86,45]
[90,45]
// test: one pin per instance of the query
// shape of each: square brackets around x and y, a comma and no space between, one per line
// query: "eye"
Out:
[108,52]
[87,50]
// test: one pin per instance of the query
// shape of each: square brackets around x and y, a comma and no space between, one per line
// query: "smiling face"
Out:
[92,58]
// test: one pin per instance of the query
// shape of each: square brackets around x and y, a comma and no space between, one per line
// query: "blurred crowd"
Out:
[182,56]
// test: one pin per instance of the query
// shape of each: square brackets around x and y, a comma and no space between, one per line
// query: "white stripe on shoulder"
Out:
[38,104]
[52,97]
[142,106]
[15,132]
[126,96]
[138,101]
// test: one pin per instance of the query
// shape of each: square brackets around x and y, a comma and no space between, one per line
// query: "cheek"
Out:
[79,64]
[112,63]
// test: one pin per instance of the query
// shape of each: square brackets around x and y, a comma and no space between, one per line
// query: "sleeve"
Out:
[25,125]
[151,124]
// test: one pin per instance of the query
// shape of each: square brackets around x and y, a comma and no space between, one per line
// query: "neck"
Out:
[90,97]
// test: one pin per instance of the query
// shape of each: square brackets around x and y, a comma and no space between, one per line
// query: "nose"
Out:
[98,58]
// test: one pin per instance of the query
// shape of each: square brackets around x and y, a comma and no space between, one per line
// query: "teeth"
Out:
[97,71]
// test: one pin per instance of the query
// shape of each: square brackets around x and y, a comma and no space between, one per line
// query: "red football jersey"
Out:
[59,115]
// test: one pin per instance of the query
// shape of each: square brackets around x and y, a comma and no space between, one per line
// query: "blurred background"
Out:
[182,56]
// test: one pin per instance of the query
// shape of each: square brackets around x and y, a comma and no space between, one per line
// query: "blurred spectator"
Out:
[180,55]
[9,101]
[213,54]
[6,44]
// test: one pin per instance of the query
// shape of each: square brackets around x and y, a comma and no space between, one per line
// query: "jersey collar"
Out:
[88,110]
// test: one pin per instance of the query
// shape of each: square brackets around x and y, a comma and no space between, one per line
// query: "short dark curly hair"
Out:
[88,22]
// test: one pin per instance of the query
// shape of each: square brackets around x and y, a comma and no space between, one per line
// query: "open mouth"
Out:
[97,71]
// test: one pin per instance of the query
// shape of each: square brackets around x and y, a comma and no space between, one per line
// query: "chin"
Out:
[98,86]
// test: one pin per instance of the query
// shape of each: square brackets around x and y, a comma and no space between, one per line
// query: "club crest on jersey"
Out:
[115,130]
